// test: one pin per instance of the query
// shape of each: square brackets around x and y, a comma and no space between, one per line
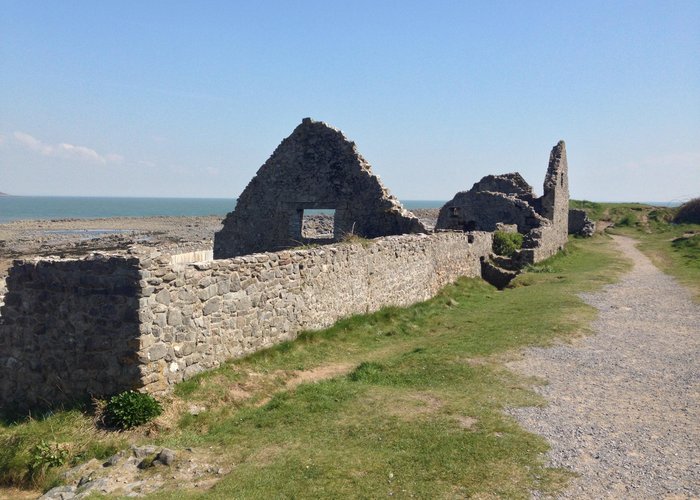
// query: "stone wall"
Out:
[68,329]
[150,319]
[508,199]
[555,200]
[316,167]
[579,223]
[485,210]
[195,317]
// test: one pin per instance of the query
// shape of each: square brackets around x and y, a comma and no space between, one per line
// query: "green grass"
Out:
[73,431]
[408,401]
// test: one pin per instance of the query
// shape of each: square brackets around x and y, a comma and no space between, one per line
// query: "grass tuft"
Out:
[367,371]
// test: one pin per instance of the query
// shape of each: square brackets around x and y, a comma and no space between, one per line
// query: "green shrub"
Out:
[627,220]
[506,243]
[689,212]
[130,409]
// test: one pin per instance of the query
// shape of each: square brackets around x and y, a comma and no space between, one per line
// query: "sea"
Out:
[77,207]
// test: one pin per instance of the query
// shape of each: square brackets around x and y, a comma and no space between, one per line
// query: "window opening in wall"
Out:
[318,223]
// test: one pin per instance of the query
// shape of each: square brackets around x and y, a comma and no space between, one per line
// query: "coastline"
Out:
[21,239]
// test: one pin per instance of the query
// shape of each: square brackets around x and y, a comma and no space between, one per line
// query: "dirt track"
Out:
[624,403]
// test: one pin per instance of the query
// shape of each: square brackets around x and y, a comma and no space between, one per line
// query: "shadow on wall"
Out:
[69,330]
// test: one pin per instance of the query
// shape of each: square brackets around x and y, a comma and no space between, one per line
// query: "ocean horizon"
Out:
[14,208]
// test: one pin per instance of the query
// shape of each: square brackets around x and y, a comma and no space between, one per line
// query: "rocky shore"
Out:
[69,237]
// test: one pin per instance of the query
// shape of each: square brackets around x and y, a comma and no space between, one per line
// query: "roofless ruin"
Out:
[315,168]
[146,318]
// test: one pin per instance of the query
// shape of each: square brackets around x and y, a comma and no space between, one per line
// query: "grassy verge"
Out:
[401,402]
[674,248]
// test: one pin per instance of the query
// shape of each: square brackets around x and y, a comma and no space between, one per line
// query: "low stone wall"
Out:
[74,328]
[195,317]
[69,328]
[542,243]
[579,223]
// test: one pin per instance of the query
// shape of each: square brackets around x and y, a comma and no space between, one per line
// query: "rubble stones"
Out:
[166,456]
[124,475]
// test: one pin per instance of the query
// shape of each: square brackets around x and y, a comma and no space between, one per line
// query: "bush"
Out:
[689,212]
[627,220]
[130,409]
[506,243]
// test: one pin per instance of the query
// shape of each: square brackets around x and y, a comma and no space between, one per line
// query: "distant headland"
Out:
[3,194]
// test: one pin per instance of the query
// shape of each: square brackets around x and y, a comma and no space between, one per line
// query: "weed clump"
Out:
[45,455]
[506,244]
[131,409]
[366,371]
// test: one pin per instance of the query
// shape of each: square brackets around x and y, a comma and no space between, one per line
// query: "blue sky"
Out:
[149,98]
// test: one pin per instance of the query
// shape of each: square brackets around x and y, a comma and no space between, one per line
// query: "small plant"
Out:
[130,409]
[507,243]
[45,455]
[356,239]
[542,268]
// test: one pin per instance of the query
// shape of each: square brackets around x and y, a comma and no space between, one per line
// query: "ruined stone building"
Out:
[498,200]
[147,318]
[316,167]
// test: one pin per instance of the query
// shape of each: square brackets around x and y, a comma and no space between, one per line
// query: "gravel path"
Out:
[624,403]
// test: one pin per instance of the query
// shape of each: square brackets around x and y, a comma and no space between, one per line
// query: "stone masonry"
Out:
[71,328]
[68,328]
[507,199]
[316,167]
[579,223]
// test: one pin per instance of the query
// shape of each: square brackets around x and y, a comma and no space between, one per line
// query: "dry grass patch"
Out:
[405,405]
[466,422]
